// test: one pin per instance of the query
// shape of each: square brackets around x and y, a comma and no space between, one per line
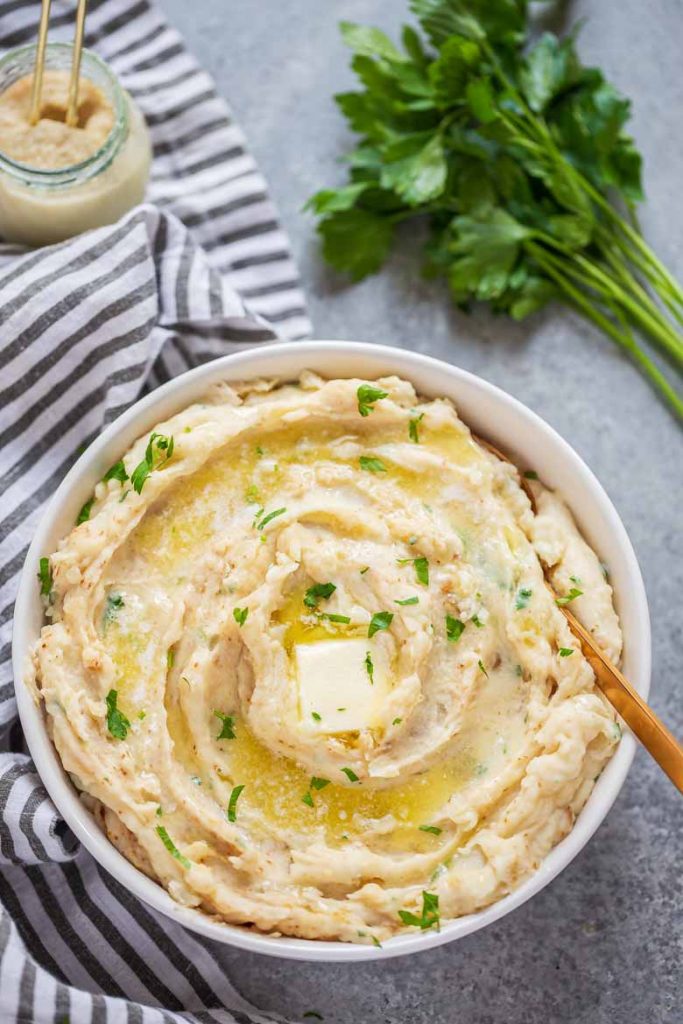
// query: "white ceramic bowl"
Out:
[492,414]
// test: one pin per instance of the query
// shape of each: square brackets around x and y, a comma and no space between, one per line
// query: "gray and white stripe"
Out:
[87,326]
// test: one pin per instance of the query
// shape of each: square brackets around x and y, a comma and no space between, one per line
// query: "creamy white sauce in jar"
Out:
[57,181]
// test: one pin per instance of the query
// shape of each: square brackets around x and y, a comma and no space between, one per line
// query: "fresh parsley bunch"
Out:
[517,154]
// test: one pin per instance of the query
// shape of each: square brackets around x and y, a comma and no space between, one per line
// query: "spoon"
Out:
[641,719]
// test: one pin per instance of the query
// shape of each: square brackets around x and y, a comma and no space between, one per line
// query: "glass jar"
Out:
[40,206]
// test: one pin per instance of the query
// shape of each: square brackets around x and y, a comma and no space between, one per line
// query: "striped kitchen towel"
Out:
[86,326]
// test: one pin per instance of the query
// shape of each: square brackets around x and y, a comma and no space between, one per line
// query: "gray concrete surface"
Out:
[602,944]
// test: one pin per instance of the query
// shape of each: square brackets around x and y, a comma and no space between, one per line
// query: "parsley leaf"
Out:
[113,605]
[315,716]
[571,596]
[240,615]
[433,829]
[159,450]
[228,727]
[565,652]
[379,621]
[523,598]
[429,918]
[317,592]
[117,723]
[350,774]
[332,617]
[171,846]
[232,803]
[408,600]
[367,396]
[371,464]
[519,158]
[307,799]
[422,571]
[454,629]
[482,668]
[317,783]
[531,474]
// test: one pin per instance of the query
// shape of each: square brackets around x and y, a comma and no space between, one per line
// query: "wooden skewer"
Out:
[72,105]
[37,88]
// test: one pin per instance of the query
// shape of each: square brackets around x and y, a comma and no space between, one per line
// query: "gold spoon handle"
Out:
[72,104]
[640,718]
[37,88]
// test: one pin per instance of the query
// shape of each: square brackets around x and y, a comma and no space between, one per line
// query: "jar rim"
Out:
[102,157]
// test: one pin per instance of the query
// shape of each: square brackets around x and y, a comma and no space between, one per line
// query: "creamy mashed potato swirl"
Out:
[305,668]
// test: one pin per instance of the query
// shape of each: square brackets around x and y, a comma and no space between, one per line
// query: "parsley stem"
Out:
[624,340]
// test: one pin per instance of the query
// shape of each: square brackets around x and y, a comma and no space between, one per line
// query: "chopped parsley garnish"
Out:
[480,663]
[252,494]
[350,775]
[408,600]
[84,514]
[577,580]
[159,450]
[341,709]
[307,799]
[240,615]
[271,515]
[413,428]
[376,942]
[565,652]
[380,620]
[171,846]
[113,606]
[232,803]
[531,474]
[429,918]
[367,396]
[523,598]
[117,723]
[364,570]
[259,450]
[116,472]
[228,728]
[397,721]
[573,593]
[170,658]
[454,629]
[433,829]
[477,622]
[45,577]
[315,716]
[369,667]
[318,592]
[317,783]
[371,464]
[421,568]
[331,617]
[160,811]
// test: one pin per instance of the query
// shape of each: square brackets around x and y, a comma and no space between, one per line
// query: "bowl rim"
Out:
[65,796]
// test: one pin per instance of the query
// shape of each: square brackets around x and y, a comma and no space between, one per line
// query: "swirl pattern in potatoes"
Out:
[302,662]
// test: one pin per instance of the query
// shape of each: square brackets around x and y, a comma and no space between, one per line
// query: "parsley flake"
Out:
[480,664]
[565,652]
[477,622]
[350,775]
[531,474]
[116,472]
[408,600]
[523,598]
[429,918]
[158,452]
[454,629]
[371,464]
[433,829]
[317,592]
[45,577]
[367,396]
[240,615]
[113,606]
[171,846]
[413,428]
[332,617]
[269,518]
[170,658]
[84,514]
[315,716]
[571,596]
[364,570]
[117,723]
[232,803]
[397,721]
[379,621]
[307,799]
[369,667]
[317,783]
[228,727]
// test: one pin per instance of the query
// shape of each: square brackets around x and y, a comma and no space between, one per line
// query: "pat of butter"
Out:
[335,690]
